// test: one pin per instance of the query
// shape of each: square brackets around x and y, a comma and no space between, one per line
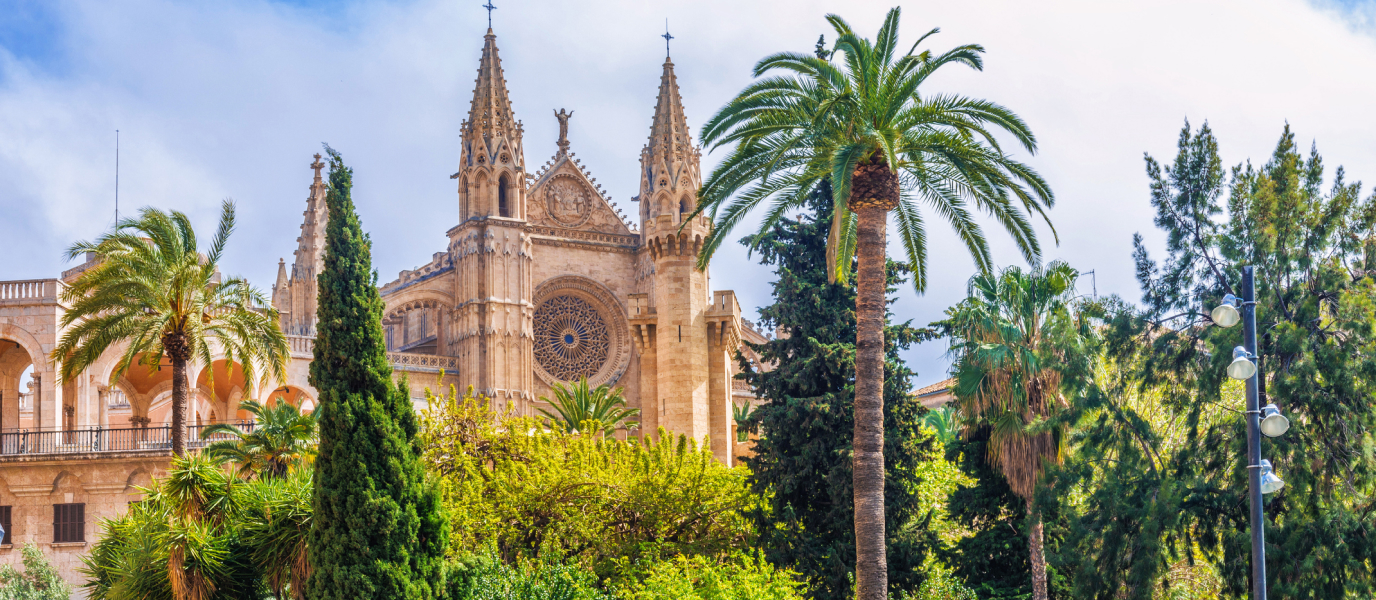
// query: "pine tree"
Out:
[379,530]
[803,455]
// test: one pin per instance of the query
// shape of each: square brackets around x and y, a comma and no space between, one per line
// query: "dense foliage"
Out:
[1159,471]
[201,534]
[379,529]
[802,460]
[529,492]
[38,581]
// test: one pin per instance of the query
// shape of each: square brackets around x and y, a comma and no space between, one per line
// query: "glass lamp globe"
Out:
[1273,424]
[1242,366]
[1226,315]
[1270,483]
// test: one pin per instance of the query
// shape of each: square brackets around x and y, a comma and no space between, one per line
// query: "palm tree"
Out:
[1021,353]
[741,414]
[280,437]
[944,421]
[862,123]
[154,292]
[576,403]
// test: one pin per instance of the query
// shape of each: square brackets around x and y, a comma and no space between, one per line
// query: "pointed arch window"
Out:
[503,207]
[684,207]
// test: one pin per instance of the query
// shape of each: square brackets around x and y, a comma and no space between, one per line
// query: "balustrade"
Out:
[96,439]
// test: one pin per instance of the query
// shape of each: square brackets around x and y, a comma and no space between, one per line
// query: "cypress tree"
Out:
[379,530]
[803,457]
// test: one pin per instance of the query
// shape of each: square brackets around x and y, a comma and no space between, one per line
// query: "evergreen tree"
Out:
[803,457]
[379,530]
[1161,463]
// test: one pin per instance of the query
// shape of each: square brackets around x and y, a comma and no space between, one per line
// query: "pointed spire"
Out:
[310,248]
[280,298]
[490,118]
[670,149]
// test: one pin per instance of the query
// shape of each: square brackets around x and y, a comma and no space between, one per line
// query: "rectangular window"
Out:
[69,523]
[6,522]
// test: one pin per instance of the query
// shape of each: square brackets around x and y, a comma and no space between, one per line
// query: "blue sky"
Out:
[230,99]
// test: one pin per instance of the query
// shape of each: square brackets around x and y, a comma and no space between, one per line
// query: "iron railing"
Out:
[97,439]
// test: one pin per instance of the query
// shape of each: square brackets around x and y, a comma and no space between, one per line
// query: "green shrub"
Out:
[529,492]
[736,576]
[485,577]
[38,581]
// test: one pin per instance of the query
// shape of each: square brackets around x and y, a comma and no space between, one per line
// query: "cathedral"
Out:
[543,281]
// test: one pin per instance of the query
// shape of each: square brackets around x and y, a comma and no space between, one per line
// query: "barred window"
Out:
[69,523]
[6,521]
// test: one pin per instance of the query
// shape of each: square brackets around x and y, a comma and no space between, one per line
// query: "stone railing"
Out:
[29,291]
[302,346]
[426,363]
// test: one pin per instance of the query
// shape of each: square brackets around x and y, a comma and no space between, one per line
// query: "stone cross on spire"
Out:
[317,165]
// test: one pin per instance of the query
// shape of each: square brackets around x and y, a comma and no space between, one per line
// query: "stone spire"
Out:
[670,161]
[310,247]
[294,296]
[491,123]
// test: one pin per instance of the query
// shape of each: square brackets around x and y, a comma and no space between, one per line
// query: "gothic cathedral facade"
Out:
[543,281]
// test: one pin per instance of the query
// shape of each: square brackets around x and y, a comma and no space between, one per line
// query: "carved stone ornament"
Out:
[580,331]
[567,200]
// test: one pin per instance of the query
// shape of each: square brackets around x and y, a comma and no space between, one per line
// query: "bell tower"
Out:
[670,175]
[490,328]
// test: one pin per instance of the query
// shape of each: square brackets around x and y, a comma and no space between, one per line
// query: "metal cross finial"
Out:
[666,37]
[489,8]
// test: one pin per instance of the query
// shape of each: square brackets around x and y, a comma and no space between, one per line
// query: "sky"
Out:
[230,99]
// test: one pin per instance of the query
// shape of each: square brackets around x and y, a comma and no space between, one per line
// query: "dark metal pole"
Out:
[1249,341]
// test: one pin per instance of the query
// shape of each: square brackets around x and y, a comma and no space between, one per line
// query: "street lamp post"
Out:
[1249,340]
[1261,477]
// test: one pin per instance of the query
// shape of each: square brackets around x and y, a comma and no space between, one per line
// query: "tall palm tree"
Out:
[1021,352]
[575,403]
[153,291]
[857,117]
[281,436]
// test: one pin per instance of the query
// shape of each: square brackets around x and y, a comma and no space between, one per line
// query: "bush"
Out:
[530,492]
[39,581]
[736,576]
[485,577]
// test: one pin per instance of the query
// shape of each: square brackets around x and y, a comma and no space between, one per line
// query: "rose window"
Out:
[571,339]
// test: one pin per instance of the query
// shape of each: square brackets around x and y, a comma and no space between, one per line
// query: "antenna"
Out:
[117,179]
[1093,281]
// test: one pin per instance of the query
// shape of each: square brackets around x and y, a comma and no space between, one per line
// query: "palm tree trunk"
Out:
[871,564]
[179,351]
[1036,554]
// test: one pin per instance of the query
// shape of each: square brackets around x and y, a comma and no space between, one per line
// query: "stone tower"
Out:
[490,328]
[294,295]
[669,180]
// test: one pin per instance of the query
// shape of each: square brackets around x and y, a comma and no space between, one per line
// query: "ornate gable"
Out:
[564,196]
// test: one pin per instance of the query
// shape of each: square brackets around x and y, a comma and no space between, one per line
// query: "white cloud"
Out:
[231,99]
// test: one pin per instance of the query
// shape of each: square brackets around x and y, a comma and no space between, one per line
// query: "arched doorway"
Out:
[16,377]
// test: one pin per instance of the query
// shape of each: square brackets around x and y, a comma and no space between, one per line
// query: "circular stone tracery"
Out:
[571,338]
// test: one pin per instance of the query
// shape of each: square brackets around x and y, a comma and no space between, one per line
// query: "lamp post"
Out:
[1261,478]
